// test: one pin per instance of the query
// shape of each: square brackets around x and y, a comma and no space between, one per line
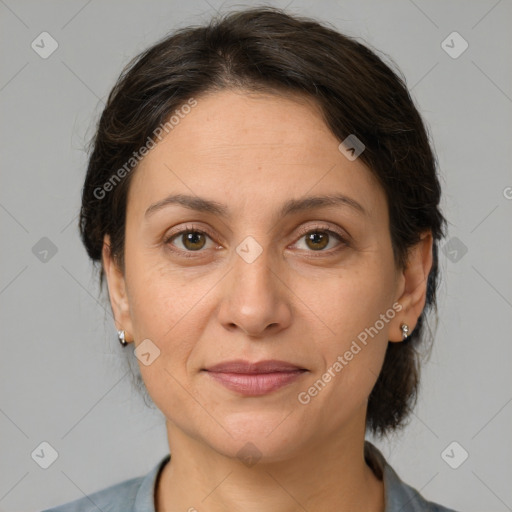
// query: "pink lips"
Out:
[254,379]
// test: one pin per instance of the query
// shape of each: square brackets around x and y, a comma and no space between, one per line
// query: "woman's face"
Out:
[247,282]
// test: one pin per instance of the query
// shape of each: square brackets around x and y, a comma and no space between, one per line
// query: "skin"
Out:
[296,302]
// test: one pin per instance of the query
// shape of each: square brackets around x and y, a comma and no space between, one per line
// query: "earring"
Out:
[405,331]
[121,336]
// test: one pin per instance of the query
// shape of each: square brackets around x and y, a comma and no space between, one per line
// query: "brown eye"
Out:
[193,240]
[321,240]
[188,240]
[317,240]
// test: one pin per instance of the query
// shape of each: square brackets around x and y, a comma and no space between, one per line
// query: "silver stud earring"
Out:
[405,331]
[121,336]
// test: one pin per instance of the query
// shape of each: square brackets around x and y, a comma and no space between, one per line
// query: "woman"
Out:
[263,200]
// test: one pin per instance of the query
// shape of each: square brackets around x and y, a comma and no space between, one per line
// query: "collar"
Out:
[398,496]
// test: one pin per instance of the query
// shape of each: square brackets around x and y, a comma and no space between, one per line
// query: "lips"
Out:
[255,378]
[241,366]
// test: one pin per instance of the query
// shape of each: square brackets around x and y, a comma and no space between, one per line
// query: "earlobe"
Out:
[116,290]
[415,279]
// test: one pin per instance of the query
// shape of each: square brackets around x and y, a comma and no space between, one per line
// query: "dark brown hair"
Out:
[266,49]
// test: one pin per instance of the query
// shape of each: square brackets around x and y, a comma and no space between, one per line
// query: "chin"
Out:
[264,436]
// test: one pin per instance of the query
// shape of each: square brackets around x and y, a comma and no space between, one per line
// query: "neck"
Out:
[331,475]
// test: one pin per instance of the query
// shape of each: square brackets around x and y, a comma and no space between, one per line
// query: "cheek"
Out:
[166,309]
[349,301]
[349,306]
[159,295]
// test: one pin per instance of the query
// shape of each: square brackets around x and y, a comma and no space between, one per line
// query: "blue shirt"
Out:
[138,494]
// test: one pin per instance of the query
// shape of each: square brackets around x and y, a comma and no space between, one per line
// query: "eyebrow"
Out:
[200,204]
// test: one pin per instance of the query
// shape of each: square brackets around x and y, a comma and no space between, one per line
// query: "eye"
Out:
[191,240]
[316,239]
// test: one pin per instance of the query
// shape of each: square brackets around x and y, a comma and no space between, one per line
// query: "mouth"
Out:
[255,379]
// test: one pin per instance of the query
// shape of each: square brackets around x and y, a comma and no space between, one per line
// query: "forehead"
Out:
[267,126]
[248,147]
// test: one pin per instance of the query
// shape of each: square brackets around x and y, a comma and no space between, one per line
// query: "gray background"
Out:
[63,375]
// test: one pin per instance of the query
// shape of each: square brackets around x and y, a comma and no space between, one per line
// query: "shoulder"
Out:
[133,495]
[399,496]
[118,497]
[406,498]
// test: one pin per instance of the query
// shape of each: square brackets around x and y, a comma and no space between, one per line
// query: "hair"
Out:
[268,50]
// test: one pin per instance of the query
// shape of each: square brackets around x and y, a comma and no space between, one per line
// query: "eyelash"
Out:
[302,232]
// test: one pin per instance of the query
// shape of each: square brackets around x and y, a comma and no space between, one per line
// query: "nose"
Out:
[255,299]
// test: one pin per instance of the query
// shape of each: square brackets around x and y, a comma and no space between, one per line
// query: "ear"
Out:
[413,288]
[117,291]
